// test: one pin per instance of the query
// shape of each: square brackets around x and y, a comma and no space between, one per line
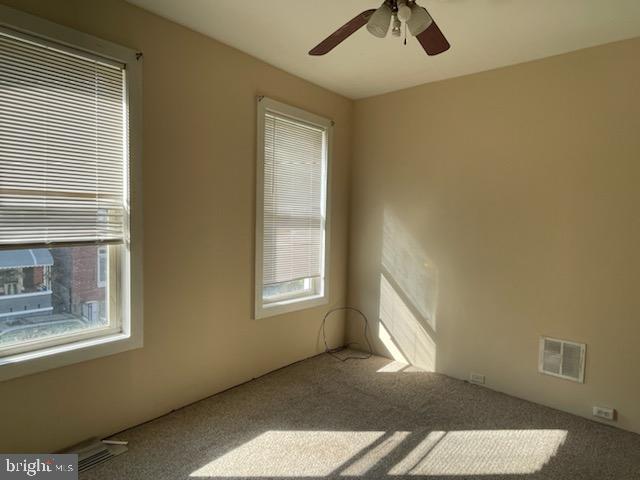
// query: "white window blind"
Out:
[293,217]
[62,145]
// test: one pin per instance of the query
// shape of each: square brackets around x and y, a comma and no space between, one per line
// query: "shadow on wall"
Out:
[408,298]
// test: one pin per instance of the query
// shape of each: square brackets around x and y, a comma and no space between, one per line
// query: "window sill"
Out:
[292,305]
[22,364]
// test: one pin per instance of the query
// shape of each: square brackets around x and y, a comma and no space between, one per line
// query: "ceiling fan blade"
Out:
[433,41]
[342,33]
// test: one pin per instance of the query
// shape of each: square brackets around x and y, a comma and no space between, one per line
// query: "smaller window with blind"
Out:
[291,212]
[65,208]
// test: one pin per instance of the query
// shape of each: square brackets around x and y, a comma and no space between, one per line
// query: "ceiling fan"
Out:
[391,12]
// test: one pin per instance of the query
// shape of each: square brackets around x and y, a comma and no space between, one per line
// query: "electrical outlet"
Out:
[476,378]
[604,412]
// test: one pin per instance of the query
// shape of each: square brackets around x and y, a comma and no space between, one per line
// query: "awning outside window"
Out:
[35,257]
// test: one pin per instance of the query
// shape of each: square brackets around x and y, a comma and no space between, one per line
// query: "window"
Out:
[50,297]
[291,220]
[67,215]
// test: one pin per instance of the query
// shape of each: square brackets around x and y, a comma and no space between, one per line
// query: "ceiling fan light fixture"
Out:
[419,21]
[378,24]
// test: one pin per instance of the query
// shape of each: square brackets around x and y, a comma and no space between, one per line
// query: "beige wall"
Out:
[491,209]
[199,173]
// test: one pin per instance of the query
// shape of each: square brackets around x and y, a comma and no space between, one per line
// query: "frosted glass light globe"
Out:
[420,20]
[378,23]
[404,12]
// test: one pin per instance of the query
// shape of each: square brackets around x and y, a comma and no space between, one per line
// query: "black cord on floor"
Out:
[334,351]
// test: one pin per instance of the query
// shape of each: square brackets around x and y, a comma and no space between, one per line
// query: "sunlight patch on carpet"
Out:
[482,452]
[322,453]
[290,454]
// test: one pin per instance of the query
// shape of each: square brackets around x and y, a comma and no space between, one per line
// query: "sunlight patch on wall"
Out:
[290,454]
[410,268]
[479,452]
[392,349]
[400,327]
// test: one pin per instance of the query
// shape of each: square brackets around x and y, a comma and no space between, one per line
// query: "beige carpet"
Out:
[321,418]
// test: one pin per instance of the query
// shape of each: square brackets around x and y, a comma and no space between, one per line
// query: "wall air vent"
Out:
[562,358]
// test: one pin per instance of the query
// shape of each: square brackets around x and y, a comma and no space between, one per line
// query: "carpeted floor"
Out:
[321,418]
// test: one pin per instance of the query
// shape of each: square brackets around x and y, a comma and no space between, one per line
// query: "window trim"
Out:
[294,302]
[130,263]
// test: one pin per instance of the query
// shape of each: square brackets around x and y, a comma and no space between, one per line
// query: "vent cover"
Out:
[562,358]
[92,452]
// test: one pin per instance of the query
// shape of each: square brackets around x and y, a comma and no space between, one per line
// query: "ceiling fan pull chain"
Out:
[405,33]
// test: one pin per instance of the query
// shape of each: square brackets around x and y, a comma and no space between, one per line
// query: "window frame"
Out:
[294,301]
[127,258]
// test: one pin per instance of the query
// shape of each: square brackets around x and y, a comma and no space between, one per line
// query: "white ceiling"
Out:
[484,34]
